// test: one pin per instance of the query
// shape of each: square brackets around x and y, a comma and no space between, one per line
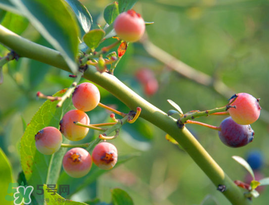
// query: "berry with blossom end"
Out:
[72,131]
[105,155]
[77,162]
[48,140]
[129,26]
[235,135]
[247,108]
[86,97]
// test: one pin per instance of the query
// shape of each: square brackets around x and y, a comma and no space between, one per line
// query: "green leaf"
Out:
[54,198]
[111,12]
[176,106]
[5,178]
[170,139]
[55,21]
[264,182]
[9,6]
[149,23]
[2,14]
[93,38]
[244,163]
[172,112]
[38,168]
[125,5]
[121,197]
[83,16]
[76,184]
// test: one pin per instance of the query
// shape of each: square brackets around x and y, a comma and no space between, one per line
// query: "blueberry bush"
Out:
[93,93]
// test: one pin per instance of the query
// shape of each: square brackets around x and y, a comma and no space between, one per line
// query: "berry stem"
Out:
[104,137]
[47,97]
[75,145]
[106,49]
[104,124]
[90,126]
[203,124]
[111,109]
[70,90]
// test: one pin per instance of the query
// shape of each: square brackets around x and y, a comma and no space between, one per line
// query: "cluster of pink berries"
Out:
[77,162]
[235,131]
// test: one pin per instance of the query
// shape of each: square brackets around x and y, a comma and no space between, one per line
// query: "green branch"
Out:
[149,112]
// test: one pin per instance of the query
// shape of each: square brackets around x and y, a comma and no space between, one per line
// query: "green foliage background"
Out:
[227,40]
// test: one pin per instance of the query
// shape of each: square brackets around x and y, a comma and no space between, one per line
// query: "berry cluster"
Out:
[235,130]
[77,161]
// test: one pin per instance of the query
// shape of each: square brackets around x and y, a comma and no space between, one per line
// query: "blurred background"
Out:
[198,53]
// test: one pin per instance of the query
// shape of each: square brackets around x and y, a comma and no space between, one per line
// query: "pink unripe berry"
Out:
[77,162]
[86,97]
[151,87]
[235,135]
[129,26]
[72,131]
[48,140]
[247,108]
[105,155]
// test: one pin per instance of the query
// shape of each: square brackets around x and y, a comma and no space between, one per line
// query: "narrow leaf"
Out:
[93,38]
[56,23]
[111,12]
[244,163]
[38,168]
[83,16]
[172,112]
[264,182]
[149,23]
[5,180]
[176,106]
[121,197]
[51,197]
[125,5]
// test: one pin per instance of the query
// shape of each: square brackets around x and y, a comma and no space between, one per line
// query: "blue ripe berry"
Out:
[235,135]
[255,159]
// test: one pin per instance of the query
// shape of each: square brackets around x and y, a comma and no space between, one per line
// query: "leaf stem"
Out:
[75,145]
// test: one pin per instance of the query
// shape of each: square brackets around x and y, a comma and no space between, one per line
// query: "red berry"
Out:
[143,75]
[247,108]
[86,97]
[129,26]
[105,155]
[77,162]
[48,140]
[72,131]
[151,87]
[235,135]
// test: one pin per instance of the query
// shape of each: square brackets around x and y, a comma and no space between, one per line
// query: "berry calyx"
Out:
[235,135]
[129,26]
[72,131]
[247,108]
[105,155]
[77,162]
[48,140]
[86,97]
